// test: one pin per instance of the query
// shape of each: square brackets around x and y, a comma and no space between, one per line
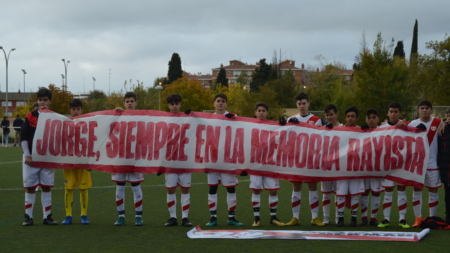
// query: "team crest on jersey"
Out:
[310,122]
[433,128]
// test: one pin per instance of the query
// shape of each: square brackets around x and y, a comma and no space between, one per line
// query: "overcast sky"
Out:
[136,39]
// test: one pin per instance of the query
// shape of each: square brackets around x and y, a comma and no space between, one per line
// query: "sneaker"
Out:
[171,222]
[403,224]
[340,222]
[185,222]
[212,222]
[326,220]
[385,223]
[84,220]
[364,222]
[373,222]
[256,223]
[28,221]
[353,222]
[294,222]
[67,220]
[417,222]
[276,221]
[49,220]
[317,222]
[120,221]
[232,221]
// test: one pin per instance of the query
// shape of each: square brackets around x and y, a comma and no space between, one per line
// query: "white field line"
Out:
[11,162]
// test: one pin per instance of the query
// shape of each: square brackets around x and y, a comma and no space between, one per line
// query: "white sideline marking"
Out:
[11,162]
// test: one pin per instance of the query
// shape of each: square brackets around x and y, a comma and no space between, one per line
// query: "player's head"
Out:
[261,110]
[130,101]
[220,102]
[351,116]
[394,112]
[35,107]
[331,114]
[44,97]
[5,118]
[302,103]
[174,102]
[18,116]
[372,118]
[76,107]
[424,108]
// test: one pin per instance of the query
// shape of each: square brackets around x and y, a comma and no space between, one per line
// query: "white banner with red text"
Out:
[152,141]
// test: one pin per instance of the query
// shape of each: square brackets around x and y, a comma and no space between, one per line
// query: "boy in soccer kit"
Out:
[270,184]
[73,177]
[130,103]
[394,114]
[229,181]
[303,103]
[32,176]
[371,184]
[354,187]
[174,179]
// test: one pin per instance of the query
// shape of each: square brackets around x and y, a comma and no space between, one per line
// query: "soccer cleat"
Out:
[326,220]
[67,220]
[28,221]
[317,222]
[138,221]
[120,221]
[403,224]
[294,222]
[84,220]
[373,222]
[256,223]
[185,222]
[353,222]
[340,222]
[171,222]
[385,223]
[212,222]
[417,222]
[276,221]
[233,222]
[364,222]
[49,220]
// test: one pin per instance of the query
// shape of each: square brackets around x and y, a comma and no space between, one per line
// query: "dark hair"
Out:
[76,103]
[18,115]
[221,95]
[301,96]
[352,109]
[44,92]
[395,105]
[424,103]
[174,98]
[261,104]
[448,110]
[35,105]
[130,94]
[371,111]
[330,107]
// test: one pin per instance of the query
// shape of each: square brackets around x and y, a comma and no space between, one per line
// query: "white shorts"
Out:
[270,183]
[432,179]
[349,186]
[127,177]
[328,186]
[373,184]
[173,180]
[386,183]
[32,177]
[228,180]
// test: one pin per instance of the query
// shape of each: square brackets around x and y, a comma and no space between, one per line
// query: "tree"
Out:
[195,97]
[242,78]
[222,77]
[399,51]
[285,89]
[60,100]
[175,71]
[414,44]
[261,75]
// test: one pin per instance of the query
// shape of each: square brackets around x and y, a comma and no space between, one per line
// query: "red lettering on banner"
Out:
[199,141]
[122,137]
[353,159]
[333,155]
[260,146]
[42,145]
[366,156]
[183,141]
[130,139]
[173,136]
[238,147]
[378,147]
[80,143]
[326,143]
[55,138]
[397,145]
[92,139]
[144,140]
[286,149]
[212,144]
[387,154]
[160,138]
[68,133]
[112,146]
[314,156]
[419,157]
[301,150]
[272,147]
[408,159]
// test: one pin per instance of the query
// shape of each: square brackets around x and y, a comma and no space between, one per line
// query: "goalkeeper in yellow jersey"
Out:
[74,177]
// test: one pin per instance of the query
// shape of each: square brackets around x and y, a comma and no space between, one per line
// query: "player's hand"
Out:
[293,120]
[159,174]
[120,109]
[329,126]
[29,161]
[243,173]
[188,111]
[89,170]
[421,127]
[230,115]
[282,121]
[364,127]
[401,123]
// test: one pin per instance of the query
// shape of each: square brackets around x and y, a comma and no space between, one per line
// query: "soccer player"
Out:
[354,187]
[130,103]
[32,176]
[270,184]
[444,162]
[371,184]
[328,187]
[173,179]
[229,181]
[394,115]
[73,177]
[432,179]
[302,102]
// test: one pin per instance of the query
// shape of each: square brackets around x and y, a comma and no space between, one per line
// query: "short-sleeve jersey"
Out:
[29,128]
[389,124]
[309,119]
[432,135]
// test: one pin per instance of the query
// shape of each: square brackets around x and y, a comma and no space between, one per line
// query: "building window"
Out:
[293,73]
[228,73]
[21,103]
[249,73]
[4,103]
[347,78]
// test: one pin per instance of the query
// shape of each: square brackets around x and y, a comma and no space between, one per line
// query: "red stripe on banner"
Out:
[255,203]
[171,203]
[274,204]
[48,208]
[402,207]
[138,204]
[212,205]
[375,211]
[186,207]
[296,203]
[233,208]
[326,202]
[364,210]
[430,205]
[417,202]
[28,206]
[387,205]
[119,202]
[314,205]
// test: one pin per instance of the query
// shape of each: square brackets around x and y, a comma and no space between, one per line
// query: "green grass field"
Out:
[102,236]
